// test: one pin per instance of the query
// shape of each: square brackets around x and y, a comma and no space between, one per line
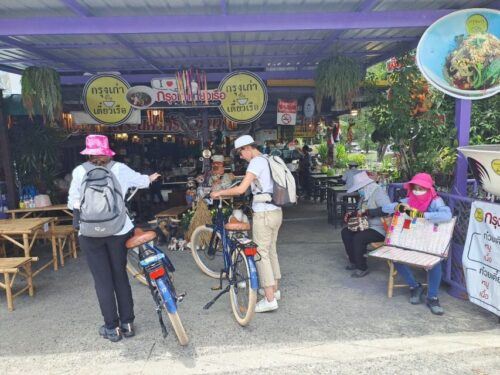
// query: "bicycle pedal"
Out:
[181,296]
[218,287]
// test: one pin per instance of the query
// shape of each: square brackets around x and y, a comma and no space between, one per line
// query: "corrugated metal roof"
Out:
[143,52]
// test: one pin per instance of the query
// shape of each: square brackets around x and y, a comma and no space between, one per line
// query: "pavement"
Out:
[326,323]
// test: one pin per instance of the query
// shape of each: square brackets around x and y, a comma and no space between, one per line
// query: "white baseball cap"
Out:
[243,141]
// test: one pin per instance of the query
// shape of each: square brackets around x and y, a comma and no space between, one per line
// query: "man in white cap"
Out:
[371,200]
[267,219]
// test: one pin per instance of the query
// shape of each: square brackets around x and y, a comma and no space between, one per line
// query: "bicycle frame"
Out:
[228,248]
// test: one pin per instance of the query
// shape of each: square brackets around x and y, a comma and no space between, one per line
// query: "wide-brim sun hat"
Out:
[359,181]
[97,145]
[421,179]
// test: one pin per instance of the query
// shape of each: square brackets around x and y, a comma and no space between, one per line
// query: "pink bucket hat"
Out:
[97,145]
[420,179]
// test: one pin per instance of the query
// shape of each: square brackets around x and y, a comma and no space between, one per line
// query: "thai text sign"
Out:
[245,97]
[104,99]
[287,112]
[481,256]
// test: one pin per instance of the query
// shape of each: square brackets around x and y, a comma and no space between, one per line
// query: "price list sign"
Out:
[481,257]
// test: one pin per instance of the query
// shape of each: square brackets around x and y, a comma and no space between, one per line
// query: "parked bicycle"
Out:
[224,251]
[157,269]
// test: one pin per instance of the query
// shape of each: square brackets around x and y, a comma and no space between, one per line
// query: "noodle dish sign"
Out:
[459,54]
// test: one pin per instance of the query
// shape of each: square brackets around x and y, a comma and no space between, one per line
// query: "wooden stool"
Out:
[12,266]
[66,238]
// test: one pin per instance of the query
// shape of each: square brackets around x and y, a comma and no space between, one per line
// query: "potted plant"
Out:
[41,91]
[446,161]
[338,78]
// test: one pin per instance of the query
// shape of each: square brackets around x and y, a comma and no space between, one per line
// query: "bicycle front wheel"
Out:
[210,259]
[133,266]
[243,297]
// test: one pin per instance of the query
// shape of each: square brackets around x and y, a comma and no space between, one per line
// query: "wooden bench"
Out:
[392,270]
[10,267]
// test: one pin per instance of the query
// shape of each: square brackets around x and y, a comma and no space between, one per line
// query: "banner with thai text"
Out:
[481,256]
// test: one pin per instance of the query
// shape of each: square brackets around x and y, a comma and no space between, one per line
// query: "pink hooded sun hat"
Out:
[96,144]
[420,179]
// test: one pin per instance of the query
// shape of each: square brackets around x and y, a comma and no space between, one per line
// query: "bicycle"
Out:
[157,269]
[234,254]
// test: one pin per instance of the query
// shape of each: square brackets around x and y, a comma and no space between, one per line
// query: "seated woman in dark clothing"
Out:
[372,198]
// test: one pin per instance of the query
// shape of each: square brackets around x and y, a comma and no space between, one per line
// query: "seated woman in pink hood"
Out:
[423,197]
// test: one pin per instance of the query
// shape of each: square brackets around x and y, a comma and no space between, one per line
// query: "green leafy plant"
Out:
[359,159]
[41,90]
[322,150]
[338,78]
[35,153]
[341,155]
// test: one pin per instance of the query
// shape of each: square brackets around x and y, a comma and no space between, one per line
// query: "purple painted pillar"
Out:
[462,123]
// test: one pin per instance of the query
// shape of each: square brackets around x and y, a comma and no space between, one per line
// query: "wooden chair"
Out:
[392,270]
[10,267]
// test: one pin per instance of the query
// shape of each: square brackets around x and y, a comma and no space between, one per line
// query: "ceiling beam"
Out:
[209,44]
[367,5]
[188,59]
[218,23]
[39,52]
[223,9]
[212,77]
[10,69]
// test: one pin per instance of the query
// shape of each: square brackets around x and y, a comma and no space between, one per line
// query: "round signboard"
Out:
[309,107]
[459,54]
[104,99]
[245,97]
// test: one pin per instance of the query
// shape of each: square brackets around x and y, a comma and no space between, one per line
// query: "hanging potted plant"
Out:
[338,78]
[41,91]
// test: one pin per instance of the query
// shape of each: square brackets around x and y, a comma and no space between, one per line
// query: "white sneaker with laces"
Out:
[264,305]
[277,294]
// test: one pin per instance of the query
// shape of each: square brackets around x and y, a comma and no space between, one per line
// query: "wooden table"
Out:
[26,212]
[29,229]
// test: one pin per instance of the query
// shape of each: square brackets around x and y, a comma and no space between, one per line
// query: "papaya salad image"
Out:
[475,62]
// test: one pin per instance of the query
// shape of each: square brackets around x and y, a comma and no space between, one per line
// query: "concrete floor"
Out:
[327,322]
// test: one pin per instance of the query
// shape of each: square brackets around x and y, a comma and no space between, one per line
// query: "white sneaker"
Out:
[277,294]
[264,306]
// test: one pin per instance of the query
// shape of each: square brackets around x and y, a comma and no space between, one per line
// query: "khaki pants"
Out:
[265,234]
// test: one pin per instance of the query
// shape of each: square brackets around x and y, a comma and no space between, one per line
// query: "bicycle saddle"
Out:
[140,237]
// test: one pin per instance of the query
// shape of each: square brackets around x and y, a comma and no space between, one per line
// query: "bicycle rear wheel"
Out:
[133,266]
[168,302]
[178,327]
[210,265]
[243,297]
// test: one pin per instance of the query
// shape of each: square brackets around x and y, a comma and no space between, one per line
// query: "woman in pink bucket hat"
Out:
[422,201]
[105,248]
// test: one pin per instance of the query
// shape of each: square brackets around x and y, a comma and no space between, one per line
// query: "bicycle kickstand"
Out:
[208,305]
[220,282]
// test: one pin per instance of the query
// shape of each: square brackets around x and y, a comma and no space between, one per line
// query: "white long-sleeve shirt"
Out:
[126,176]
